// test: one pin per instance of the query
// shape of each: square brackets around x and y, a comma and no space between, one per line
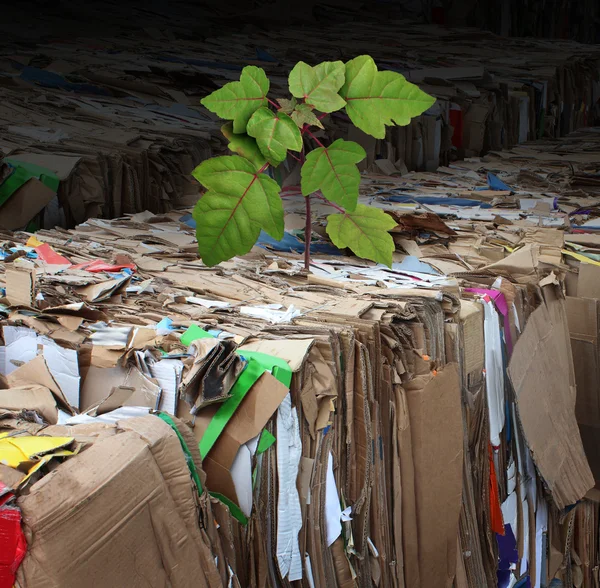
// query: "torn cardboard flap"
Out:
[215,369]
[32,397]
[294,351]
[104,290]
[541,370]
[36,371]
[251,416]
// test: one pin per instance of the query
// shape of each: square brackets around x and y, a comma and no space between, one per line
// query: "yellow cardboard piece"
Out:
[17,450]
[33,241]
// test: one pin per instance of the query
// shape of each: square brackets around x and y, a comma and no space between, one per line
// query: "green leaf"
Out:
[378,98]
[287,106]
[365,232]
[238,204]
[304,115]
[333,171]
[243,145]
[275,133]
[237,101]
[319,86]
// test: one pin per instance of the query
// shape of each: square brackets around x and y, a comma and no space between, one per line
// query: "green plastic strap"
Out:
[194,332]
[266,440]
[186,450]
[234,509]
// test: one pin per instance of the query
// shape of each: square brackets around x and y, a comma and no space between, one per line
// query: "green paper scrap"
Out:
[279,367]
[258,364]
[22,173]
[194,332]
[234,509]
[246,380]
[186,450]
[266,440]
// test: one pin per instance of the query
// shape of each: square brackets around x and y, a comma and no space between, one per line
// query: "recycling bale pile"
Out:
[112,126]
[253,424]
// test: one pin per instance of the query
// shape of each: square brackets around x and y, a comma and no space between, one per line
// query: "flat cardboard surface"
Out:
[584,317]
[116,502]
[541,370]
[436,429]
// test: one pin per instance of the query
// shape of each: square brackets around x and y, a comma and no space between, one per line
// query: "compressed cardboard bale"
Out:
[119,514]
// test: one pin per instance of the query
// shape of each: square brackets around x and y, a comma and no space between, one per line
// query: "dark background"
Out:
[35,20]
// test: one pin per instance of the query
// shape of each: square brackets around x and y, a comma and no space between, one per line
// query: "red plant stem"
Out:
[263,168]
[307,235]
[273,103]
[322,116]
[314,138]
[339,209]
[296,158]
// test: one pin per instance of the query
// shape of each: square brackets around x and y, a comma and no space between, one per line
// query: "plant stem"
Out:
[263,168]
[338,208]
[307,234]
[273,103]
[314,138]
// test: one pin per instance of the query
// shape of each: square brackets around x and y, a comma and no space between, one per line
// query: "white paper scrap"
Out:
[346,518]
[168,373]
[64,367]
[494,371]
[273,316]
[125,412]
[333,510]
[289,513]
[241,474]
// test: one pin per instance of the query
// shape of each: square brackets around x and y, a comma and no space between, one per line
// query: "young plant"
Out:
[241,199]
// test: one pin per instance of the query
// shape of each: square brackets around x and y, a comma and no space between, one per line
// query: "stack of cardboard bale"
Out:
[115,126]
[165,423]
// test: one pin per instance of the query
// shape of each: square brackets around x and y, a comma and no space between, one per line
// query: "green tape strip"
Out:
[235,510]
[186,450]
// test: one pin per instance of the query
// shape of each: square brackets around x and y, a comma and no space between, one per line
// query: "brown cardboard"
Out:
[20,285]
[588,282]
[36,372]
[584,326]
[471,318]
[541,370]
[98,383]
[436,428]
[24,204]
[126,500]
[104,290]
[117,397]
[30,397]
[247,422]
[294,351]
